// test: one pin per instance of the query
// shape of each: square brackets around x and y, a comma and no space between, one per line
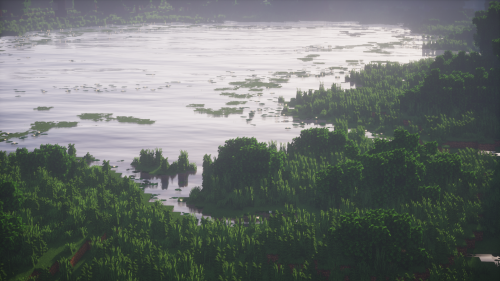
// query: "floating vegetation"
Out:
[237,96]
[351,46]
[223,111]
[252,83]
[289,74]
[178,189]
[235,102]
[377,51]
[380,61]
[96,116]
[305,59]
[389,45]
[318,63]
[224,89]
[312,56]
[352,61]
[41,108]
[107,117]
[278,80]
[257,89]
[195,105]
[130,119]
[45,126]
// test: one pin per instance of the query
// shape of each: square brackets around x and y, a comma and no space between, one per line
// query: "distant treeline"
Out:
[417,15]
[452,96]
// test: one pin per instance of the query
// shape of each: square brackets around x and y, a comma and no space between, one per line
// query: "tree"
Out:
[11,226]
[488,29]
[105,166]
[12,196]
[71,149]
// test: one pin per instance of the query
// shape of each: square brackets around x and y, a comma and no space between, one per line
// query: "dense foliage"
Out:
[152,161]
[453,96]
[62,200]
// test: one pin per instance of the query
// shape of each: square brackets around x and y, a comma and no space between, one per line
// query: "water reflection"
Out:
[182,179]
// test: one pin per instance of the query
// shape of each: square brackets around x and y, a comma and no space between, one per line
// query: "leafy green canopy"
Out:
[323,141]
[11,224]
[152,161]
[488,30]
[242,160]
[383,232]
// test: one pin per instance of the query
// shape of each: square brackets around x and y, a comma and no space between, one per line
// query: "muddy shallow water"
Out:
[155,71]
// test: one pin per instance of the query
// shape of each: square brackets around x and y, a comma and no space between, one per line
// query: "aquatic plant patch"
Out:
[253,83]
[278,80]
[222,111]
[107,117]
[195,105]
[131,119]
[237,96]
[377,51]
[235,102]
[42,126]
[96,116]
[43,108]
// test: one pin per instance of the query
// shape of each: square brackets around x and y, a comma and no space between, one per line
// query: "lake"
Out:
[155,71]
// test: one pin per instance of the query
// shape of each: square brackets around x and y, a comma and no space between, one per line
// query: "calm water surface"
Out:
[193,60]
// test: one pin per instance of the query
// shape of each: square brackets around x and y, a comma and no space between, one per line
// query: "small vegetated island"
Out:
[330,205]
[153,162]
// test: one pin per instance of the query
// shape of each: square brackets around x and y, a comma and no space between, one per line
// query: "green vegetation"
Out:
[195,105]
[235,102]
[224,111]
[237,96]
[43,108]
[61,200]
[107,117]
[52,202]
[96,116]
[251,83]
[153,162]
[453,96]
[358,182]
[345,205]
[130,119]
[45,126]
